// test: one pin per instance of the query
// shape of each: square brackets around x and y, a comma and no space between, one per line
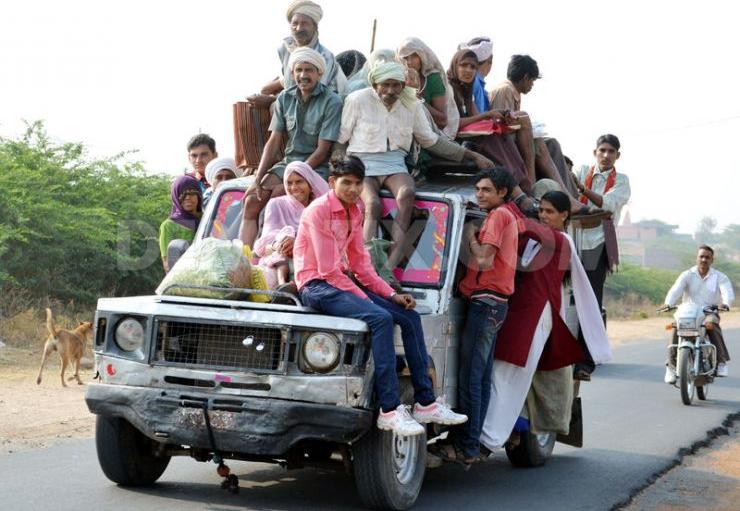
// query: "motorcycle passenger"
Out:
[703,286]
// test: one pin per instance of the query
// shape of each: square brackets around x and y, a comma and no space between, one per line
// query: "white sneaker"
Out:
[400,422]
[670,376]
[439,413]
[722,369]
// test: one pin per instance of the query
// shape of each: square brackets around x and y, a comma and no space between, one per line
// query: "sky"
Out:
[145,75]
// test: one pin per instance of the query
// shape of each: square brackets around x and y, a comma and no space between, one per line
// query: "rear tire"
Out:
[532,451]
[686,379]
[125,454]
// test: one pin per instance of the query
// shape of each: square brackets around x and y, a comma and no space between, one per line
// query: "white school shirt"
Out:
[370,127]
[714,289]
[614,200]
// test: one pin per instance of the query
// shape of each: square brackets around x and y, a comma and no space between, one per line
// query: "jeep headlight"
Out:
[321,351]
[129,334]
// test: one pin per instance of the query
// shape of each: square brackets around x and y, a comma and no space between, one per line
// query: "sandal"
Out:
[451,453]
[582,375]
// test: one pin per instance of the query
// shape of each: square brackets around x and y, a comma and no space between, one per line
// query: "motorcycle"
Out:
[695,355]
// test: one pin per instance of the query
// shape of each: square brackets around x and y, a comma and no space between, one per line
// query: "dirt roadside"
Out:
[36,416]
[708,480]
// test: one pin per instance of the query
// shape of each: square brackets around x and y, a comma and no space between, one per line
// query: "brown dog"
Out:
[69,344]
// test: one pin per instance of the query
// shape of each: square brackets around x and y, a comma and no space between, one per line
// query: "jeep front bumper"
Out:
[246,425]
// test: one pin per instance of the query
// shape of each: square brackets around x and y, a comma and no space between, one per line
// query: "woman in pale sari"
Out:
[536,347]
[433,89]
[282,216]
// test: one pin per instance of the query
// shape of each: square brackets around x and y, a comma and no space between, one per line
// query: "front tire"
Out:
[389,469]
[686,379]
[125,454]
[532,450]
[702,392]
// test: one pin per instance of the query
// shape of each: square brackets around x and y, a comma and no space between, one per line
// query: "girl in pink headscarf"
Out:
[282,216]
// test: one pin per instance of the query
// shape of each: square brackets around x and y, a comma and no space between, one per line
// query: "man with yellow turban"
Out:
[379,124]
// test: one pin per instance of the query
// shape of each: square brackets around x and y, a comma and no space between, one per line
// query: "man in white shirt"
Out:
[602,187]
[704,286]
[379,125]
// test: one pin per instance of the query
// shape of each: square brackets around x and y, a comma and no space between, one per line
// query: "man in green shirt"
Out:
[306,119]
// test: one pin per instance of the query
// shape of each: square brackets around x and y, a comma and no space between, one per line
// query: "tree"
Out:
[62,217]
[705,230]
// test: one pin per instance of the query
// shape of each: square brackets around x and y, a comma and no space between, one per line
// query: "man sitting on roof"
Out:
[379,124]
[304,17]
[306,117]
[521,75]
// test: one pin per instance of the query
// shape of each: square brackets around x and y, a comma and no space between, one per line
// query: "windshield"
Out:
[424,246]
[425,242]
[228,216]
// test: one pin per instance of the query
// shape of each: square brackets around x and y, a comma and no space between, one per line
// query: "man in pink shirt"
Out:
[327,250]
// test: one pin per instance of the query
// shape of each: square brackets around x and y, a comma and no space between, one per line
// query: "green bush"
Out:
[649,283]
[73,229]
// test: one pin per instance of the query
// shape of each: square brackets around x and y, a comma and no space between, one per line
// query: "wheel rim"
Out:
[543,439]
[405,451]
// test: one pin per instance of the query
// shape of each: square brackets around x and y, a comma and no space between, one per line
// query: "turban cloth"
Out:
[307,8]
[306,54]
[483,49]
[393,71]
[217,164]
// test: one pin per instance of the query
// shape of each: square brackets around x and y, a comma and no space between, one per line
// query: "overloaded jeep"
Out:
[220,379]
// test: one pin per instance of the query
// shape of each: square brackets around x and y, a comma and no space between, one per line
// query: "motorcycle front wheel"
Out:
[702,392]
[686,379]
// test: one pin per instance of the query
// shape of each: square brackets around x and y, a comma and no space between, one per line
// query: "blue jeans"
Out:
[484,320]
[380,315]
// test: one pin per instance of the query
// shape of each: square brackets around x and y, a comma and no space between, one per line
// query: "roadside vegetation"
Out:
[72,228]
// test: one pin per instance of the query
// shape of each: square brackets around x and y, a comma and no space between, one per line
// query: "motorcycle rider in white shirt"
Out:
[703,286]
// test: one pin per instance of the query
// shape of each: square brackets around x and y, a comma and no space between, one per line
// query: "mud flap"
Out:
[575,434]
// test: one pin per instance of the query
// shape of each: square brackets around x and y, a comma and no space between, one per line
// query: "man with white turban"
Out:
[379,124]
[305,120]
[483,49]
[303,17]
[218,170]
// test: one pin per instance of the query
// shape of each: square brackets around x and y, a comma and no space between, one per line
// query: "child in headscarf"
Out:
[496,146]
[187,207]
[282,216]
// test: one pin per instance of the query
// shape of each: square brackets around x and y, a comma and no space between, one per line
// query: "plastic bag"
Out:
[210,262]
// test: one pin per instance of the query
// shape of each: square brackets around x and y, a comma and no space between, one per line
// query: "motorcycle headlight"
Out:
[687,324]
[321,351]
[129,335]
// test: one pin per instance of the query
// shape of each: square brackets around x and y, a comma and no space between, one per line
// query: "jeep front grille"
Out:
[218,346]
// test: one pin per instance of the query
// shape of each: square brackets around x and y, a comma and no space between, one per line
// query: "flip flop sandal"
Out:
[450,453]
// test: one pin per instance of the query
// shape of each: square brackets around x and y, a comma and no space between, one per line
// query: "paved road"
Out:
[635,425]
